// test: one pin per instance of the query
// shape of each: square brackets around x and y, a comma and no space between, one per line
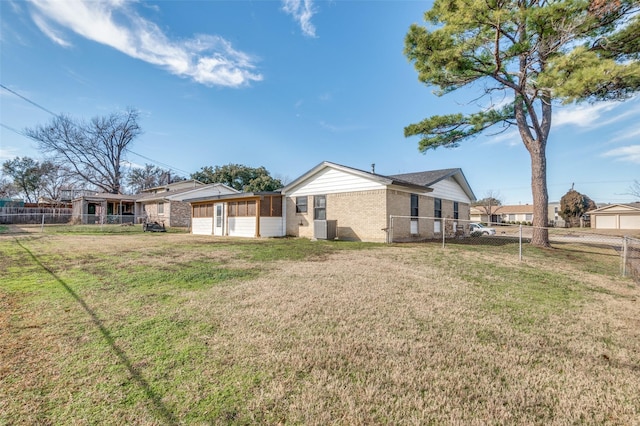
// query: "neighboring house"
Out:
[105,208]
[166,204]
[479,214]
[163,204]
[516,213]
[359,204]
[522,213]
[616,216]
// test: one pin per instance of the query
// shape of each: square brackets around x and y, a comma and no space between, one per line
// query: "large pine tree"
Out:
[536,53]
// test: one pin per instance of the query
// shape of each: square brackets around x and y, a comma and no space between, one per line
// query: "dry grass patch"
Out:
[169,329]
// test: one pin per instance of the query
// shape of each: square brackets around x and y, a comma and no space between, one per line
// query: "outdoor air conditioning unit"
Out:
[325,229]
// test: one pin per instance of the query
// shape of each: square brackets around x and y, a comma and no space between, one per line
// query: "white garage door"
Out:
[630,222]
[606,222]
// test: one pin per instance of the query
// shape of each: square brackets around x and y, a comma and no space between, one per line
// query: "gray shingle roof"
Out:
[426,178]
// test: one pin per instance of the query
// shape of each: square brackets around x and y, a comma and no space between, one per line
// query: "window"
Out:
[301,204]
[414,205]
[528,217]
[219,215]
[271,206]
[242,208]
[437,207]
[455,210]
[320,207]
[160,208]
[203,210]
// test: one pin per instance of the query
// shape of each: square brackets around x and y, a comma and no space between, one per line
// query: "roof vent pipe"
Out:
[373,168]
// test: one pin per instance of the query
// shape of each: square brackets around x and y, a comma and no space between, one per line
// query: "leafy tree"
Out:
[237,176]
[7,188]
[28,175]
[489,205]
[573,205]
[95,150]
[533,54]
[150,176]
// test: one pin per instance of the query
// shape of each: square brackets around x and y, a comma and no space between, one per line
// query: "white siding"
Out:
[246,227]
[202,226]
[449,189]
[242,227]
[271,227]
[630,222]
[331,181]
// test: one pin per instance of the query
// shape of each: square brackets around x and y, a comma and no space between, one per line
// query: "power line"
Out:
[28,100]
[56,115]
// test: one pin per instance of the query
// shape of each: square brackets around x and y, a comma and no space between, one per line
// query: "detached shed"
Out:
[616,216]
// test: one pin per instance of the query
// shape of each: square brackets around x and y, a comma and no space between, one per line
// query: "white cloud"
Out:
[596,115]
[583,115]
[630,153]
[302,11]
[9,153]
[629,133]
[49,32]
[509,137]
[206,59]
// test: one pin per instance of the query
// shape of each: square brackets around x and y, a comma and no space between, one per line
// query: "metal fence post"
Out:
[443,229]
[42,226]
[520,244]
[624,256]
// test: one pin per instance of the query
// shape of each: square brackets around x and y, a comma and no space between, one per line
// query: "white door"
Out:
[606,222]
[218,219]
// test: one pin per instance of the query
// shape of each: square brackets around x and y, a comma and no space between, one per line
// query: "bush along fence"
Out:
[446,231]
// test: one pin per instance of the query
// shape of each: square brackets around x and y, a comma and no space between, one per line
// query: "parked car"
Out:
[483,230]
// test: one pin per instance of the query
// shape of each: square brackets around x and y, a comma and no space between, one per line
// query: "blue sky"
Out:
[280,84]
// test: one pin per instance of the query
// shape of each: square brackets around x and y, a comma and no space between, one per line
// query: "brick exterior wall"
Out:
[176,213]
[180,214]
[364,216]
[360,216]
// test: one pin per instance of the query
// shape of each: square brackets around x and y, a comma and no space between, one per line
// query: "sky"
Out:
[281,84]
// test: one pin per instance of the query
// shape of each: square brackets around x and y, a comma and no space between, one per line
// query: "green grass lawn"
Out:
[170,328]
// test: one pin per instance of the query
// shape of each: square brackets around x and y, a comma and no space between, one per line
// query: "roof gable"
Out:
[375,179]
[631,207]
[431,177]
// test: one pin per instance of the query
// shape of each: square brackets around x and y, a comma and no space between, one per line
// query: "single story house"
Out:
[516,213]
[335,201]
[616,216]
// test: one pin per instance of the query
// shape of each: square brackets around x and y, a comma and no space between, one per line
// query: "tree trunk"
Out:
[540,195]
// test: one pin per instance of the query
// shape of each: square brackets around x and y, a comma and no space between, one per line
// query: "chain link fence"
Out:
[631,258]
[446,231]
[63,217]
